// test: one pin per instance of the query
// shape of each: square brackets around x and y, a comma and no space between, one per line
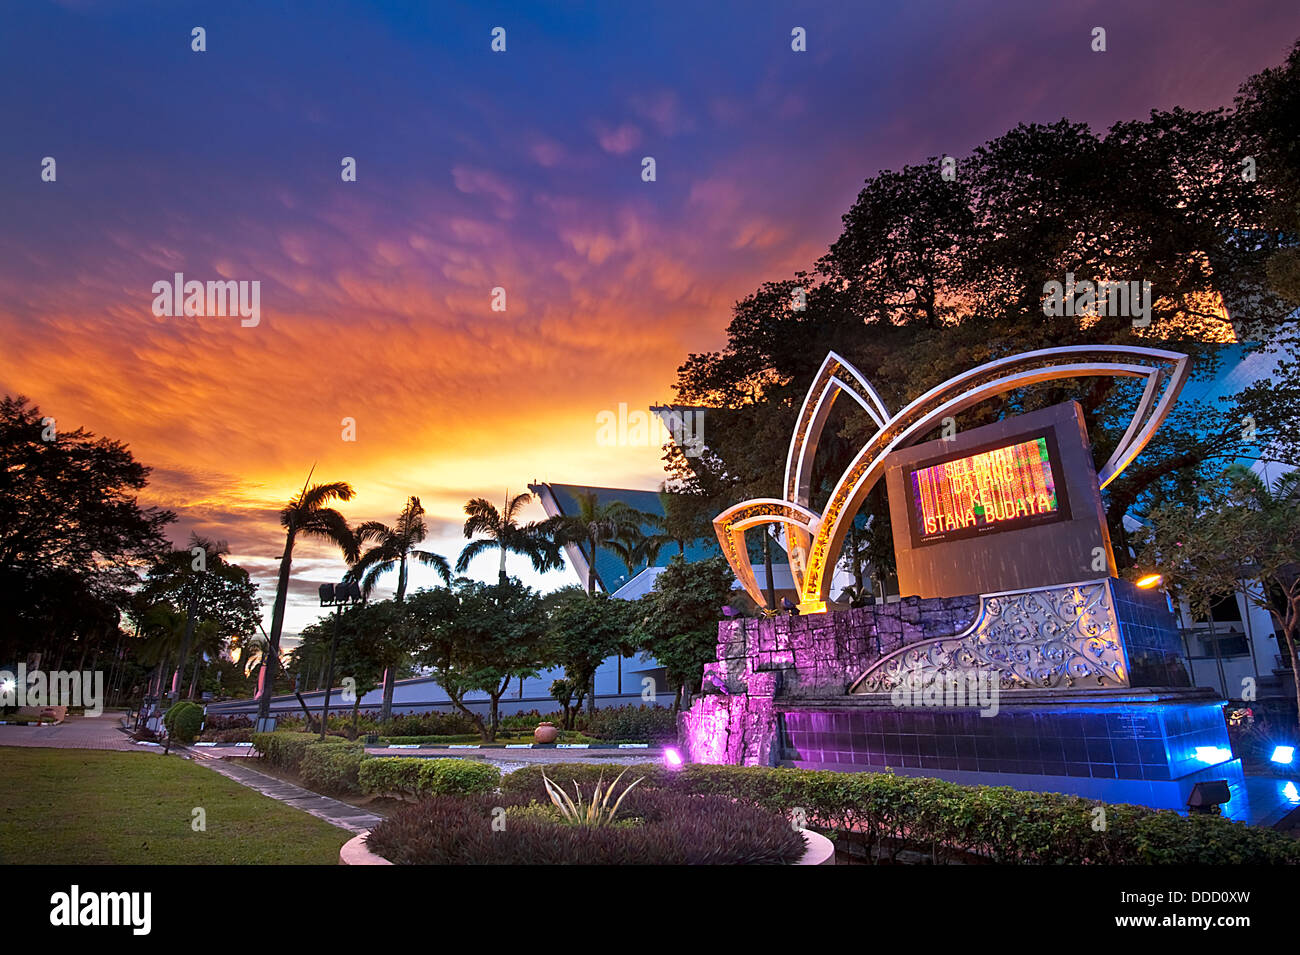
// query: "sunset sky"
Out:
[476,170]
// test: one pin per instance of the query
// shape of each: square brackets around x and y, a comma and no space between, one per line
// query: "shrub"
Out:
[459,777]
[169,715]
[332,767]
[183,721]
[639,723]
[441,740]
[883,814]
[412,777]
[283,750]
[664,828]
[405,724]
[528,781]
[391,776]
[428,724]
[528,720]
[594,809]
[337,771]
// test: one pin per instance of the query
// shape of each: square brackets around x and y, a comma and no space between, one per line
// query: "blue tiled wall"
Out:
[1140,742]
[1155,651]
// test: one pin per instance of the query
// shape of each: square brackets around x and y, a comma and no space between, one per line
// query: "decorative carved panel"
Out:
[1055,638]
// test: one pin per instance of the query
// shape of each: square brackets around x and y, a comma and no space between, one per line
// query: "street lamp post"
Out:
[347,593]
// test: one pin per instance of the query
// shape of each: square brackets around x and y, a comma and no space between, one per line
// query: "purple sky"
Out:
[477,170]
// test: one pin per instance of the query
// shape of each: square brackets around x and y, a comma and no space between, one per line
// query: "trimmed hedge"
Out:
[461,777]
[331,765]
[884,814]
[412,777]
[408,724]
[183,720]
[332,768]
[281,749]
[881,811]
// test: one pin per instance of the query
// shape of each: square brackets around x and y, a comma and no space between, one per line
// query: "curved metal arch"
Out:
[836,375]
[731,524]
[813,540]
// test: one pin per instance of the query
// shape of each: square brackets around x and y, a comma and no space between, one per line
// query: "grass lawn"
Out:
[67,806]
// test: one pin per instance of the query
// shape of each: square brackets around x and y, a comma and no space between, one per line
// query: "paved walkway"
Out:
[333,811]
[76,732]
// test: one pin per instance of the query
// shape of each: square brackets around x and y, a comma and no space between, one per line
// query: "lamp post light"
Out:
[340,595]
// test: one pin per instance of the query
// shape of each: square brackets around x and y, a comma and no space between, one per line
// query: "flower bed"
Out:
[655,827]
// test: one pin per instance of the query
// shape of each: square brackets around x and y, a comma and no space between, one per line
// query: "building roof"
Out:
[612,573]
[644,582]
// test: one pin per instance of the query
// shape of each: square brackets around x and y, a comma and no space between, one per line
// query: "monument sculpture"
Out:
[1015,654]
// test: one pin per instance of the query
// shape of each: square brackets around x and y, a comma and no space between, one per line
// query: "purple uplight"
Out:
[672,758]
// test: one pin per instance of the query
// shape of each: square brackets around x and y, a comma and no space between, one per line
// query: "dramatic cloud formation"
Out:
[477,171]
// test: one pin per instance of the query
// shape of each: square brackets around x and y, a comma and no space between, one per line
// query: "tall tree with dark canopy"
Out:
[70,519]
[199,582]
[1232,534]
[679,619]
[583,630]
[931,278]
[480,637]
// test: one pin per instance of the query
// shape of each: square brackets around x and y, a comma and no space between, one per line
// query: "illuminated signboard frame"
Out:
[1062,512]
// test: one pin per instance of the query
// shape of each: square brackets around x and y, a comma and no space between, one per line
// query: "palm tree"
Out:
[633,548]
[163,628]
[503,533]
[209,642]
[615,526]
[307,514]
[174,579]
[392,548]
[594,526]
[683,522]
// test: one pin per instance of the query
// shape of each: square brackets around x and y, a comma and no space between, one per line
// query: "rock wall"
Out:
[807,657]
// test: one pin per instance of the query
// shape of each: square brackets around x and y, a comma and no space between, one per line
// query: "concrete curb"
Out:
[819,851]
[354,852]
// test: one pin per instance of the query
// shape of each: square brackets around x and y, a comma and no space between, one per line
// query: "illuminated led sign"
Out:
[1005,487]
[815,539]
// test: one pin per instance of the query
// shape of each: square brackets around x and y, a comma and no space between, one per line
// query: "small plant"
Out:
[594,812]
[183,721]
